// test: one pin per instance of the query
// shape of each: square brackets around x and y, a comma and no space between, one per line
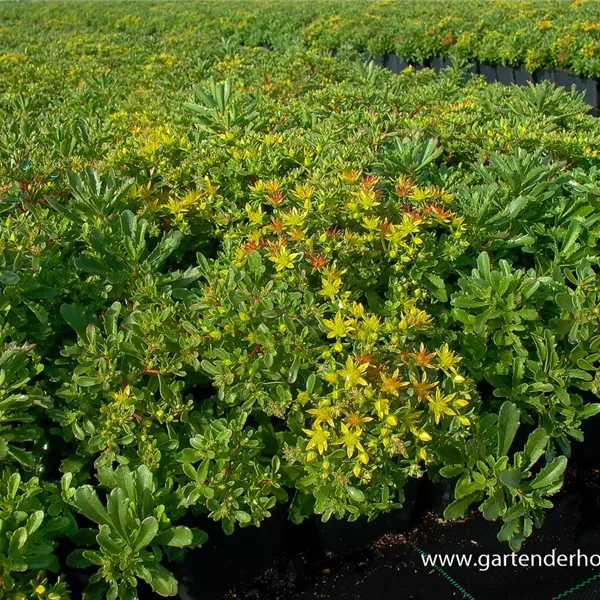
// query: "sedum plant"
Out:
[353,404]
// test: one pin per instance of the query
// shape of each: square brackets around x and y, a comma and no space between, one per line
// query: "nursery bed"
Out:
[244,288]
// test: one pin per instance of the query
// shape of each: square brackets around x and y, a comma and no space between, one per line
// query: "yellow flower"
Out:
[258,187]
[331,377]
[350,175]
[357,310]
[303,398]
[331,287]
[297,234]
[410,421]
[382,406]
[293,218]
[422,358]
[324,413]
[272,187]
[422,388]
[415,318]
[371,322]
[460,403]
[339,327]
[350,440]
[283,259]
[410,224]
[255,216]
[318,438]
[367,198]
[123,396]
[353,373]
[447,359]
[303,191]
[394,234]
[181,205]
[371,223]
[355,419]
[424,436]
[392,420]
[392,384]
[589,50]
[438,405]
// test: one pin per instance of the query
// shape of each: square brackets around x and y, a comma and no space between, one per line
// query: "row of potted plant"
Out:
[536,36]
[541,35]
[501,73]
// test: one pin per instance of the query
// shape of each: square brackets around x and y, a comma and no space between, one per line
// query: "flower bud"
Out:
[424,436]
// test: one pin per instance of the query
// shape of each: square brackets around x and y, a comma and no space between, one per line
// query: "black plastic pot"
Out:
[505,74]
[522,77]
[379,60]
[489,72]
[396,64]
[474,69]
[435,497]
[543,75]
[438,63]
[341,537]
[227,561]
[565,79]
[590,87]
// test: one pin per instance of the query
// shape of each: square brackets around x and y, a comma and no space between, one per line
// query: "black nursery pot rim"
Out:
[497,72]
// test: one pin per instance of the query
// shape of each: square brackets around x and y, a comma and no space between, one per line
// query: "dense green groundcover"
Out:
[539,34]
[231,277]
